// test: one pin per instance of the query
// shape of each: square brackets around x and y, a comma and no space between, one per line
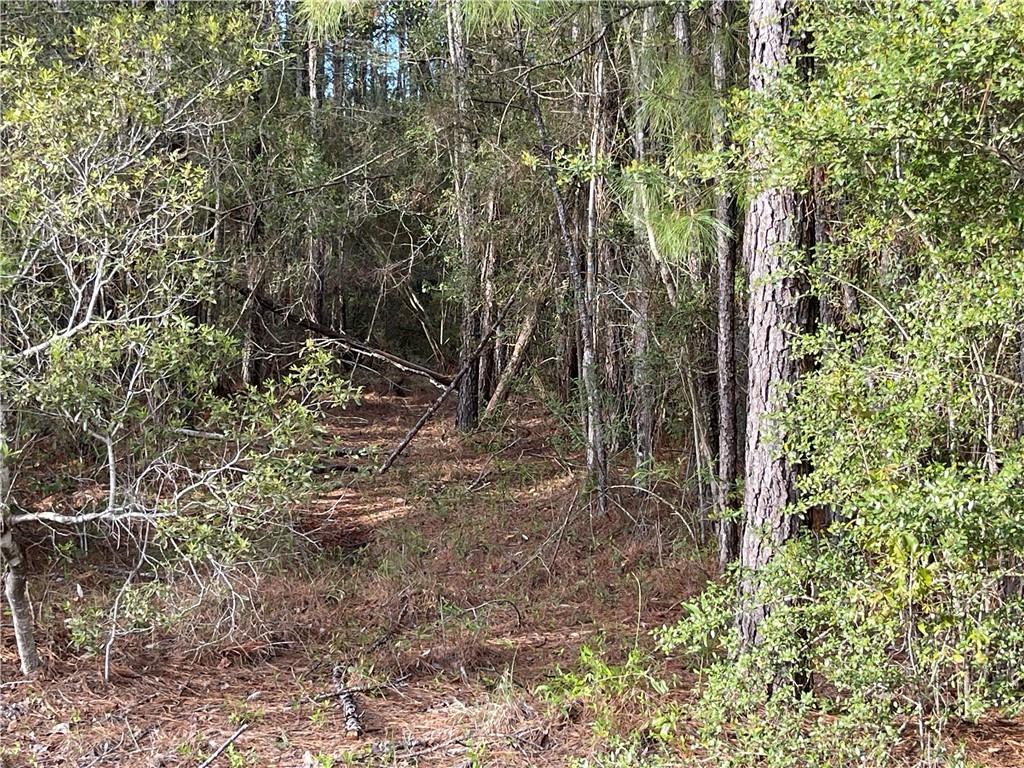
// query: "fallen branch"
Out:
[400,448]
[512,367]
[346,698]
[323,469]
[350,343]
[518,351]
[231,740]
[375,688]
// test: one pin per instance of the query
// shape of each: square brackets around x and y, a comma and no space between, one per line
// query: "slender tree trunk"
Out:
[251,321]
[593,259]
[597,468]
[488,269]
[770,236]
[338,59]
[12,562]
[725,257]
[313,297]
[681,31]
[467,409]
[300,54]
[643,386]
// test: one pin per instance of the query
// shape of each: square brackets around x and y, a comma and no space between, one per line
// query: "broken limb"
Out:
[447,391]
[439,380]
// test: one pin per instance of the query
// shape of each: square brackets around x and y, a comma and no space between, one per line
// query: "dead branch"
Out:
[231,740]
[522,343]
[346,698]
[350,343]
[400,448]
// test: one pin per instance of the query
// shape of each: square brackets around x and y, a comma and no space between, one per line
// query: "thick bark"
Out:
[12,561]
[467,409]
[725,258]
[770,236]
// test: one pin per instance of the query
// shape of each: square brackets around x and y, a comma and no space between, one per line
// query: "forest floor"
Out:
[450,589]
[458,582]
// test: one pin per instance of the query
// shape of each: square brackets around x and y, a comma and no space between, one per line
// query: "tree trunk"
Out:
[251,373]
[338,61]
[467,409]
[313,297]
[774,316]
[597,468]
[725,257]
[12,560]
[643,385]
[488,269]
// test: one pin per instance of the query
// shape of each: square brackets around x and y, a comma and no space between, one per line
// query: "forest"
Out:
[486,383]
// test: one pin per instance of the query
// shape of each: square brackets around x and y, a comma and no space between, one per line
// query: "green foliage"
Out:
[602,687]
[624,753]
[113,349]
[325,18]
[906,612]
[237,758]
[508,15]
[242,712]
[144,607]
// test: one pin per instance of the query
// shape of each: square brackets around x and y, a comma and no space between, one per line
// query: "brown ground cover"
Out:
[449,589]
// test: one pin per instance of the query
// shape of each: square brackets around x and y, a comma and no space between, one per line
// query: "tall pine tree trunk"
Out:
[597,467]
[725,257]
[770,236]
[466,413]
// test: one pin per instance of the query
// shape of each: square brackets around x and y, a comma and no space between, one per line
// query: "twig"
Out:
[498,601]
[362,689]
[231,740]
[323,469]
[117,604]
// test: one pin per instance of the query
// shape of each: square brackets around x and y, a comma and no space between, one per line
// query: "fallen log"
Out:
[350,343]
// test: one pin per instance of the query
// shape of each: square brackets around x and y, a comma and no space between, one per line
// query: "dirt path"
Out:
[469,573]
